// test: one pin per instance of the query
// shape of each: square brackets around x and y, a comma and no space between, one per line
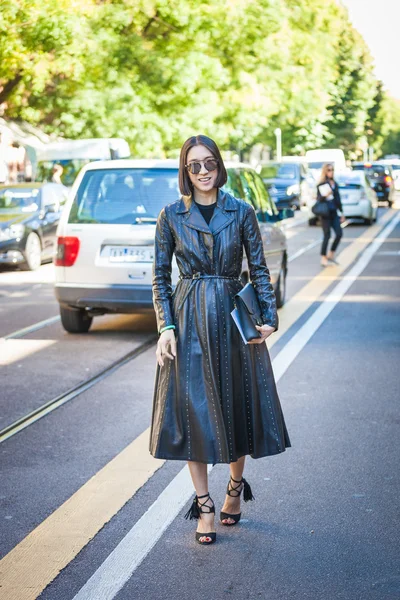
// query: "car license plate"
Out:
[130,254]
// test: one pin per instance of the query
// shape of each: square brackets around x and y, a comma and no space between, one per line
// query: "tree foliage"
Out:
[157,71]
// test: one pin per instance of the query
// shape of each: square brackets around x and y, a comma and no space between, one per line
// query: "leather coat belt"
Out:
[196,277]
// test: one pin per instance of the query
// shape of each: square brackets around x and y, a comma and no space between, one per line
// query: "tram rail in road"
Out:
[72,393]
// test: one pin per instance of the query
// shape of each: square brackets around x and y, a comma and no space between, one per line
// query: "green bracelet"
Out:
[167,327]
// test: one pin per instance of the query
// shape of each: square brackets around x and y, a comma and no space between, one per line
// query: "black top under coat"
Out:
[207,210]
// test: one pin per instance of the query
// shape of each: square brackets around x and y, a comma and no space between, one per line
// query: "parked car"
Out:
[359,199]
[394,163]
[381,178]
[29,216]
[106,236]
[290,184]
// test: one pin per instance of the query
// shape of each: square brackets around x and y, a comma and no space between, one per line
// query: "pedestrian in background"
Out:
[56,173]
[215,398]
[333,220]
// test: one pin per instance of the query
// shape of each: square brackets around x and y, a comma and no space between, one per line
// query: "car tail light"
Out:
[388,180]
[67,251]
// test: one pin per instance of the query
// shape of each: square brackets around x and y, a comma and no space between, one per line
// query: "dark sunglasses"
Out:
[210,164]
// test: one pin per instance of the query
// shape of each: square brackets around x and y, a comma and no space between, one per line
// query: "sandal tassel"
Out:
[193,512]
[247,493]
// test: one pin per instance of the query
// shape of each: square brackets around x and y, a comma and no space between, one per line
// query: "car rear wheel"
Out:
[75,320]
[368,221]
[32,253]
[280,291]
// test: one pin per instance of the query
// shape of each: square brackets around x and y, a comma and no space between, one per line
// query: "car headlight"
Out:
[13,232]
[293,190]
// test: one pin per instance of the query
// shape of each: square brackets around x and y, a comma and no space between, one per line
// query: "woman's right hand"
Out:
[166,346]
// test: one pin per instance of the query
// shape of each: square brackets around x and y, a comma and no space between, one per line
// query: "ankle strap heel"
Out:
[247,493]
[195,511]
[199,507]
[234,491]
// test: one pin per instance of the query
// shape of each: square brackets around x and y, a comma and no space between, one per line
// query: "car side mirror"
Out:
[288,213]
[284,213]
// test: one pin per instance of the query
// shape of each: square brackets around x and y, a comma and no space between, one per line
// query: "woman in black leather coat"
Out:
[215,398]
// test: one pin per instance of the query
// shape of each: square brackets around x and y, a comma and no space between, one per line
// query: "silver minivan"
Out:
[105,244]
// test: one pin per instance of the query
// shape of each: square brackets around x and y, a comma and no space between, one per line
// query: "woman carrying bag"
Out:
[328,192]
[215,398]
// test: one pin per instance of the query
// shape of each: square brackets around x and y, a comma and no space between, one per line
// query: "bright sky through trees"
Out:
[379,24]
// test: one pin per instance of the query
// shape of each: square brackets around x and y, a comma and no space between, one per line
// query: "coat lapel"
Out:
[221,218]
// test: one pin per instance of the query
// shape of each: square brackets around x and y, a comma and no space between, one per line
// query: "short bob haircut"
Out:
[185,185]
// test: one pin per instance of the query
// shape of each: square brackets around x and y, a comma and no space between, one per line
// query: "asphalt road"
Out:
[325,522]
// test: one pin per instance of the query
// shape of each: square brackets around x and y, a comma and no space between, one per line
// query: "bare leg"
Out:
[199,474]
[232,504]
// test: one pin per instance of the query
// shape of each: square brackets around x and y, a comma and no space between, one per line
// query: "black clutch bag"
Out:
[247,313]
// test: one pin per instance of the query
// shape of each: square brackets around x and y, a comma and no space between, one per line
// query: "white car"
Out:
[358,198]
[106,236]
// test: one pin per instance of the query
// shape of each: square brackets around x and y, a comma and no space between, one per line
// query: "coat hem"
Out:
[166,456]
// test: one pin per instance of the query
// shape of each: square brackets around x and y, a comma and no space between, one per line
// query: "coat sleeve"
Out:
[259,272]
[162,288]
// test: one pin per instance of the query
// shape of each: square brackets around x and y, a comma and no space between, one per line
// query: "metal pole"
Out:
[278,134]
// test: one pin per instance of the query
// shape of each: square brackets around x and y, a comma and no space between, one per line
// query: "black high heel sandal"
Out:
[195,511]
[234,492]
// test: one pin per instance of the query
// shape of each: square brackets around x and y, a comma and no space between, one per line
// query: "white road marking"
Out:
[115,571]
[286,356]
[32,328]
[130,552]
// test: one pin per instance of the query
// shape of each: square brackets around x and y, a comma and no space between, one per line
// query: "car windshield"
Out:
[19,199]
[376,170]
[319,164]
[278,171]
[124,196]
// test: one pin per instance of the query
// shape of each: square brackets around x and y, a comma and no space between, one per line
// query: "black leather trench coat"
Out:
[217,400]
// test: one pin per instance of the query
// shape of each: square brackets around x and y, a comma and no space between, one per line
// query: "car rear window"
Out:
[375,170]
[19,199]
[278,171]
[124,196]
[350,185]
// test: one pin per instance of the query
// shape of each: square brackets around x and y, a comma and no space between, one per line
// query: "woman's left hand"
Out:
[265,331]
[342,218]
